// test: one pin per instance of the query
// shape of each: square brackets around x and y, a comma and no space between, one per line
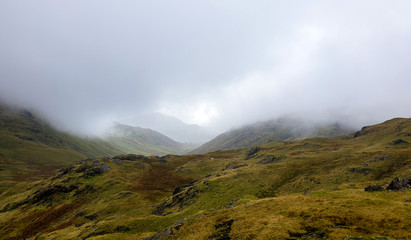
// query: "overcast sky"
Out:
[216,63]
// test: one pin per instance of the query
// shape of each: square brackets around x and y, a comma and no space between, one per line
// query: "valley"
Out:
[205,120]
[306,189]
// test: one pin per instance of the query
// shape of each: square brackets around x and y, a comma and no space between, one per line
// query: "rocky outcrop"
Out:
[252,152]
[167,231]
[363,171]
[131,157]
[222,231]
[399,142]
[364,131]
[269,159]
[46,195]
[183,196]
[397,184]
[374,188]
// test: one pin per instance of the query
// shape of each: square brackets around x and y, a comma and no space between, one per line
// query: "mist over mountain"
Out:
[30,148]
[144,141]
[84,65]
[282,129]
[173,127]
[302,110]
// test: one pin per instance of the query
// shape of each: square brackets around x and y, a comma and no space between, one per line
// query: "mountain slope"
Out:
[307,189]
[278,130]
[143,141]
[30,148]
[173,127]
[28,127]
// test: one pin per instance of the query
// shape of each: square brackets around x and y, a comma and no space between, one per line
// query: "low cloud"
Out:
[220,64]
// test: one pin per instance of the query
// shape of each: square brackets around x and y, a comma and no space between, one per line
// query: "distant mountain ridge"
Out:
[172,127]
[31,148]
[273,130]
[143,141]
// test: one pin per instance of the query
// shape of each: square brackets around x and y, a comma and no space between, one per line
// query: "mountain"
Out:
[173,127]
[274,130]
[30,148]
[143,141]
[355,186]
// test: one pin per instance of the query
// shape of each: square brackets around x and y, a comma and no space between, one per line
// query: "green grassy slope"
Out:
[277,130]
[27,127]
[143,141]
[30,148]
[308,189]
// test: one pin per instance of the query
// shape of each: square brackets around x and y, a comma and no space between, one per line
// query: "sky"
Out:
[220,64]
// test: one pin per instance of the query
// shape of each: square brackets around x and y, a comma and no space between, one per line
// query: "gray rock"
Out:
[105,167]
[268,159]
[252,152]
[374,188]
[397,184]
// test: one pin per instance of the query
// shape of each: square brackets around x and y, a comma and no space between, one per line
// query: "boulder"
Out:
[268,159]
[397,184]
[222,230]
[399,142]
[374,188]
[252,152]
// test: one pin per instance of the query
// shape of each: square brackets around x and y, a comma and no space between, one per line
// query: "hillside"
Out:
[30,148]
[173,127]
[307,189]
[26,126]
[274,130]
[143,141]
